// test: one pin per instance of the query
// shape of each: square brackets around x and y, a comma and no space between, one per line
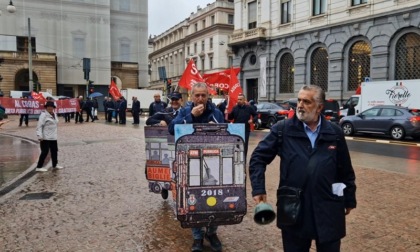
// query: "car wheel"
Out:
[347,129]
[257,126]
[397,133]
[156,188]
[164,194]
[271,122]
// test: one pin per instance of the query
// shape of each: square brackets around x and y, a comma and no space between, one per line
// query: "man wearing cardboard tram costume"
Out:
[309,136]
[201,110]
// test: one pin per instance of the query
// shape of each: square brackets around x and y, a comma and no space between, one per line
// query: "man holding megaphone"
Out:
[317,181]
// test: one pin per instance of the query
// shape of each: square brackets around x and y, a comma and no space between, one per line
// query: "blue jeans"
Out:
[198,233]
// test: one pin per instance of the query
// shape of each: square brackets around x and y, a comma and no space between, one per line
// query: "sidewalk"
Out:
[101,202]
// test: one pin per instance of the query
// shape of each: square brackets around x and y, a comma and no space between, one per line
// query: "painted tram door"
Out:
[158,159]
[210,174]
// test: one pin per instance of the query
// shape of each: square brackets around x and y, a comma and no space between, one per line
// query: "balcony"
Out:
[248,36]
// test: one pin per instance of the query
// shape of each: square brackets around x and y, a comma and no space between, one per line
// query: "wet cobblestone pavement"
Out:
[101,202]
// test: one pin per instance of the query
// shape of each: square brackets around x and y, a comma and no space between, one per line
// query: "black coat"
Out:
[323,212]
[241,114]
[136,107]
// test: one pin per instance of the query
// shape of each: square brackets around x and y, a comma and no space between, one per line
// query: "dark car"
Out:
[331,110]
[269,113]
[398,122]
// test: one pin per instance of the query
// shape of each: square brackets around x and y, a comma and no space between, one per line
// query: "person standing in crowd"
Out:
[24,117]
[243,113]
[79,114]
[157,105]
[252,104]
[88,109]
[95,108]
[165,118]
[328,181]
[67,115]
[2,115]
[110,109]
[46,132]
[117,105]
[201,110]
[105,108]
[135,110]
[122,107]
[223,106]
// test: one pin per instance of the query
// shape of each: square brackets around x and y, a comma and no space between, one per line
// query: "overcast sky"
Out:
[164,14]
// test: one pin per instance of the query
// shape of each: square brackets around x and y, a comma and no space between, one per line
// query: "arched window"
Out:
[319,68]
[359,64]
[407,59]
[287,73]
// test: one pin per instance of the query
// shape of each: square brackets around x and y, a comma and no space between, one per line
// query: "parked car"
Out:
[270,113]
[398,122]
[331,110]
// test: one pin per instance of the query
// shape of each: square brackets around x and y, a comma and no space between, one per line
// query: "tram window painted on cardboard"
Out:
[210,174]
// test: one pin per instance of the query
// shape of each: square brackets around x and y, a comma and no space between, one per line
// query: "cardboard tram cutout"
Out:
[158,159]
[210,174]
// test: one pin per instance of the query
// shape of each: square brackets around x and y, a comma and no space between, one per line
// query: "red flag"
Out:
[220,79]
[114,91]
[234,90]
[38,96]
[190,76]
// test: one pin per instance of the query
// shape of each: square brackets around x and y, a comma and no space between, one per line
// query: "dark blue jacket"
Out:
[323,212]
[211,114]
[168,115]
[157,107]
[241,114]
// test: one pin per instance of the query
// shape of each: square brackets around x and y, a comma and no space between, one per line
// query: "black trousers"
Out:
[48,146]
[136,117]
[122,117]
[79,117]
[109,115]
[293,243]
[89,115]
[23,117]
[67,117]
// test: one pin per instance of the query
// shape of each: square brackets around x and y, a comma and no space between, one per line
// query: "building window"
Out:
[195,48]
[286,13]
[211,62]
[287,73]
[22,44]
[357,2]
[407,57]
[319,7]
[211,43]
[202,45]
[359,64]
[79,47]
[125,52]
[319,68]
[195,27]
[188,50]
[230,19]
[202,65]
[212,20]
[230,63]
[124,5]
[252,15]
[204,23]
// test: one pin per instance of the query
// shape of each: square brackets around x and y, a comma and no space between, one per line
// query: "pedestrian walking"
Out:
[104,103]
[46,132]
[79,114]
[201,110]
[122,107]
[110,109]
[88,106]
[315,163]
[95,108]
[244,113]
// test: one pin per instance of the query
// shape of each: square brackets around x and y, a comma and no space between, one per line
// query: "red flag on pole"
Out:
[234,89]
[114,91]
[220,79]
[190,76]
[38,96]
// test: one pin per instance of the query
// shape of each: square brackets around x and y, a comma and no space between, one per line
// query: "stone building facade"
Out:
[112,34]
[336,44]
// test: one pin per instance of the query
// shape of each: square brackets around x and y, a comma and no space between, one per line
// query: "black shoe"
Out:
[214,241]
[197,245]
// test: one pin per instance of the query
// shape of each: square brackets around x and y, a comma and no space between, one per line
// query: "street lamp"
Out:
[10,8]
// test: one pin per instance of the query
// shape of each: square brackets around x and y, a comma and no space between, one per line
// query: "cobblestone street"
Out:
[101,202]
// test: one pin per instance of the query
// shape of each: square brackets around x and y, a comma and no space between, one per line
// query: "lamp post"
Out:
[31,82]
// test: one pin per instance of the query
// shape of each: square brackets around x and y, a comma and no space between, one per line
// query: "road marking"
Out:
[383,141]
